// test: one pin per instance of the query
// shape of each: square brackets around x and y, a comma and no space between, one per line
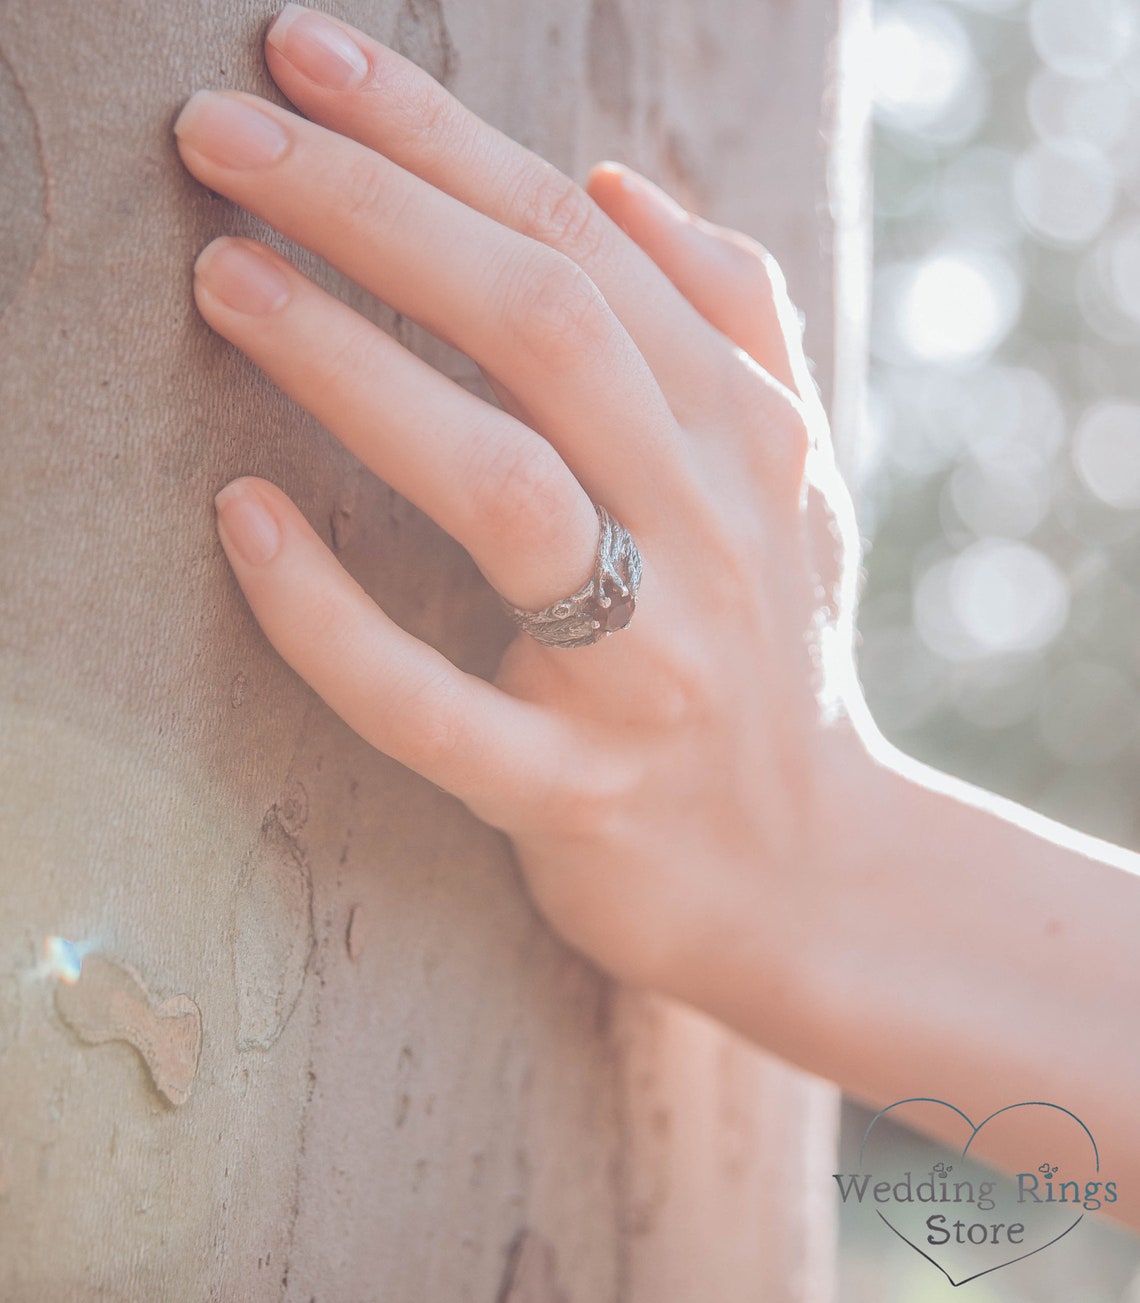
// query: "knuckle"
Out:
[772,419]
[426,118]
[793,430]
[557,312]
[323,622]
[790,425]
[767,278]
[786,447]
[557,212]
[360,195]
[595,805]
[747,393]
[755,272]
[522,489]
[691,676]
[428,719]
[366,191]
[339,366]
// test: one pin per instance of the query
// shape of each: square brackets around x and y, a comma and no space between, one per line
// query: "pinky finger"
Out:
[398,693]
[733,282]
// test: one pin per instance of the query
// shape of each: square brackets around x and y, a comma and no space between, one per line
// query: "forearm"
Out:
[958,947]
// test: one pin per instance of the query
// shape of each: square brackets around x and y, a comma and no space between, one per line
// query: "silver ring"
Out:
[603,605]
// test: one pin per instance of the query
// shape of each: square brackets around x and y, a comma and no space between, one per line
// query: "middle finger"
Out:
[353,84]
[527,314]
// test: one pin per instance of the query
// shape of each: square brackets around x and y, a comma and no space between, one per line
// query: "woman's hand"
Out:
[664,788]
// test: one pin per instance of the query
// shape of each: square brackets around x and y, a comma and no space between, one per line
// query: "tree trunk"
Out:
[322,1048]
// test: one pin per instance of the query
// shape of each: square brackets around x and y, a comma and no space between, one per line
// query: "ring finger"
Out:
[490,481]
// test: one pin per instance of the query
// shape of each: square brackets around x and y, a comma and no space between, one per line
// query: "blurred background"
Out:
[1000,461]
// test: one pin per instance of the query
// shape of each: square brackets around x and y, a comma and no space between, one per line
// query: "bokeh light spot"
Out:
[1065,190]
[995,597]
[1000,499]
[927,80]
[1082,38]
[955,306]
[1100,112]
[922,58]
[976,197]
[1106,451]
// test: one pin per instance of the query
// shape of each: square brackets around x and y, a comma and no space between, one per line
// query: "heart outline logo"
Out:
[975,1129]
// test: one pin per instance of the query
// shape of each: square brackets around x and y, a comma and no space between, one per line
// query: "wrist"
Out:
[761,956]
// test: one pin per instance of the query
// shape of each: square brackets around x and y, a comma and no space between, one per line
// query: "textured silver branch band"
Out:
[603,605]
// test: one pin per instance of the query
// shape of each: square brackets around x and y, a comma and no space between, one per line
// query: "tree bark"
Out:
[322,1048]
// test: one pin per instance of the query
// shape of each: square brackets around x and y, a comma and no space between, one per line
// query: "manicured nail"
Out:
[242,276]
[245,523]
[318,48]
[230,131]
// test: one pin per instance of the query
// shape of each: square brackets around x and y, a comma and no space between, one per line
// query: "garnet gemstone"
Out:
[619,612]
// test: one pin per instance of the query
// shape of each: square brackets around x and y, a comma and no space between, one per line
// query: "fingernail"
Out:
[245,523]
[229,131]
[242,276]
[318,48]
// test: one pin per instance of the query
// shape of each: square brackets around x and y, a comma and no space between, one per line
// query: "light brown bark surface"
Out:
[405,1088]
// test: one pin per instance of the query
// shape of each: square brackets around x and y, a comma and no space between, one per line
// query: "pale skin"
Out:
[700,803]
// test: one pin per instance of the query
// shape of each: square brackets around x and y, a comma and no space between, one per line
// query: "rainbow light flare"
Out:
[62,959]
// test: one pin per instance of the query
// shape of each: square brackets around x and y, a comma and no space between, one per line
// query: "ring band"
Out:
[603,605]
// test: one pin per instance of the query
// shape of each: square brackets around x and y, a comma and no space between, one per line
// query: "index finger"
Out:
[358,87]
